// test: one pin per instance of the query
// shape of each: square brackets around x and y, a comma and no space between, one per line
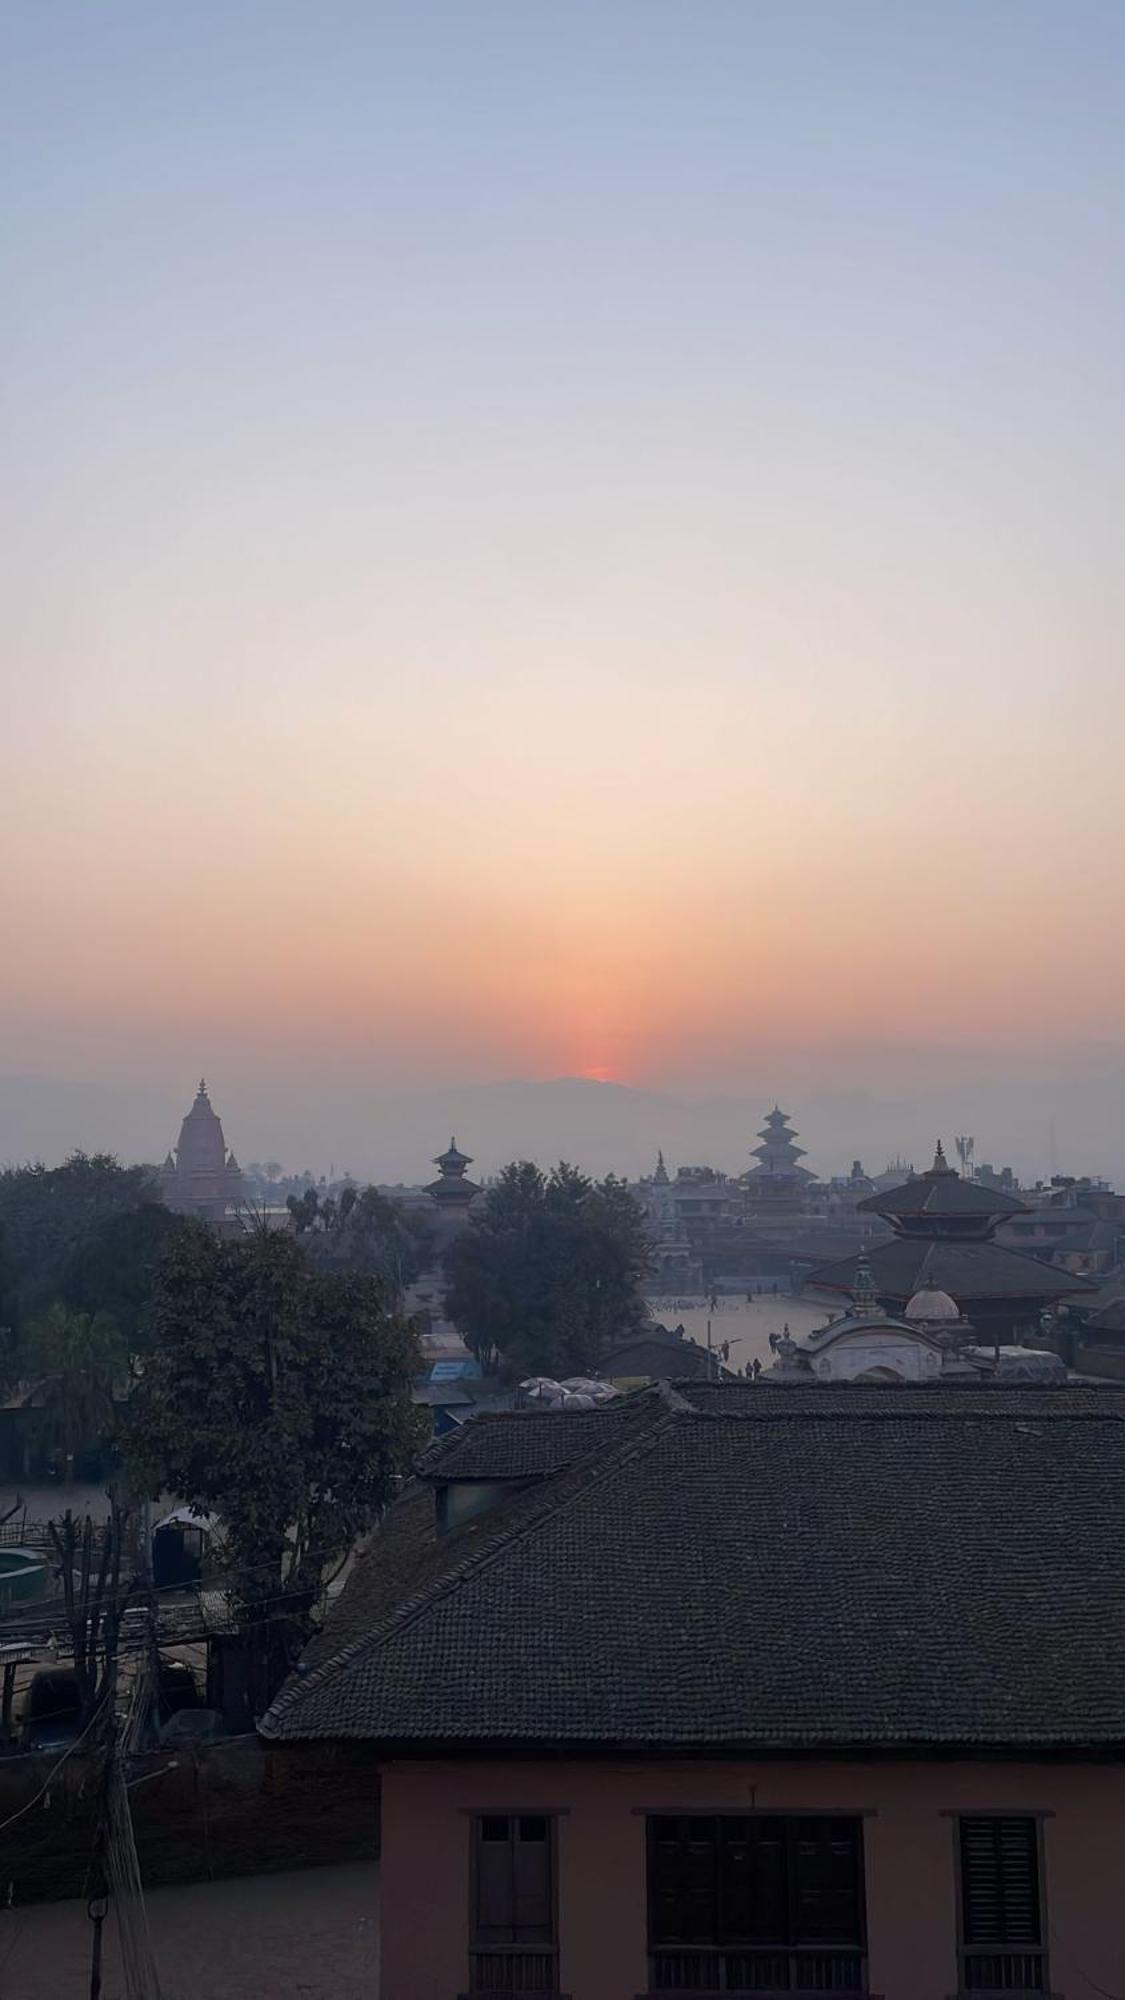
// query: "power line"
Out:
[44,1789]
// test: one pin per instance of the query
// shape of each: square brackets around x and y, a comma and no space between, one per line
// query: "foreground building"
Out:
[744,1689]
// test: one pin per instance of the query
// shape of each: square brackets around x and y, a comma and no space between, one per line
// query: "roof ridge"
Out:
[883,1416]
[429,1461]
[547,1498]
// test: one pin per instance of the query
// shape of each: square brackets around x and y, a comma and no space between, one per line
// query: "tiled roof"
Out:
[779,1566]
[979,1402]
[1111,1318]
[660,1354]
[522,1444]
[906,1264]
[942,1194]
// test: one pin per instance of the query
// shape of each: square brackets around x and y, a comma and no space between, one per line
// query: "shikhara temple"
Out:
[944,1229]
[202,1178]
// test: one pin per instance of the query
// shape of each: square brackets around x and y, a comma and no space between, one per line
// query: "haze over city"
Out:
[562,1021]
[566,542]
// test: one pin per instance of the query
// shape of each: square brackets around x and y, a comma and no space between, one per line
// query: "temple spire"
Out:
[865,1298]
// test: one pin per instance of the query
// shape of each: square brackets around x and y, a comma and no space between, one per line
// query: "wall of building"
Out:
[234,1806]
[1100,1358]
[909,1846]
[854,1354]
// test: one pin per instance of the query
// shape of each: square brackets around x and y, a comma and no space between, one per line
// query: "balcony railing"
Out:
[512,1973]
[832,1973]
[1004,1972]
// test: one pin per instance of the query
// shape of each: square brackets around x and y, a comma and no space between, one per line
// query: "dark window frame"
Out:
[538,1959]
[718,1964]
[969,1985]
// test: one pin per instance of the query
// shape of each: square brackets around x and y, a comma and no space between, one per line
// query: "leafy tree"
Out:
[548,1273]
[73,1363]
[362,1232]
[48,1217]
[276,1396]
[113,1270]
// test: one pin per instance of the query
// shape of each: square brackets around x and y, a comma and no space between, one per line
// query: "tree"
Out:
[113,1270]
[276,1396]
[548,1273]
[362,1232]
[73,1363]
[49,1216]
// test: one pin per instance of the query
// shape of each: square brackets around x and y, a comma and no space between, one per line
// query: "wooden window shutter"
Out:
[1000,1882]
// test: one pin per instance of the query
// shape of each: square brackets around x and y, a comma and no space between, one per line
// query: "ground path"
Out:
[746,1326]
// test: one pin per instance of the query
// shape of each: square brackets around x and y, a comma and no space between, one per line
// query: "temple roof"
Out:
[453,1188]
[967,1271]
[779,1151]
[940,1191]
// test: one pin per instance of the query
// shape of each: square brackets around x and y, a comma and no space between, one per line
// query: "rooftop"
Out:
[751,1566]
[968,1271]
[940,1191]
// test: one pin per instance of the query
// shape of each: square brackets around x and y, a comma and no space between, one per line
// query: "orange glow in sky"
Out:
[497,593]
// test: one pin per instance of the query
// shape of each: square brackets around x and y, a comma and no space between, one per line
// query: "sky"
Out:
[562,541]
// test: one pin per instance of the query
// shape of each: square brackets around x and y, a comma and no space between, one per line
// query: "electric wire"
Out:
[55,1769]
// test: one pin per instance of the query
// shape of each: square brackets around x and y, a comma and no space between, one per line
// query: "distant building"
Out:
[673,1265]
[944,1240]
[453,1190]
[866,1344]
[201,1177]
[1078,1225]
[778,1156]
[1090,1332]
[654,1354]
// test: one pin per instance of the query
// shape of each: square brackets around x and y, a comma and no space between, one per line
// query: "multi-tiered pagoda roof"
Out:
[779,1155]
[944,1240]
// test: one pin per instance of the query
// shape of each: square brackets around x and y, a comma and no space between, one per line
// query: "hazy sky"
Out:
[560,538]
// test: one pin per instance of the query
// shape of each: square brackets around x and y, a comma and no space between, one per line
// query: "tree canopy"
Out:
[73,1363]
[274,1395]
[113,1270]
[547,1275]
[84,1234]
[363,1232]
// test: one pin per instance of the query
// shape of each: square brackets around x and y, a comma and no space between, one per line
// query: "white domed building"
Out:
[937,1312]
[866,1344]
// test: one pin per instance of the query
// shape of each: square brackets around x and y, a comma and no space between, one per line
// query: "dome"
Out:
[933,1307]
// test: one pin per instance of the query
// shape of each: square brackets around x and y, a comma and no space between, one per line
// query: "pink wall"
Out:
[909,1841]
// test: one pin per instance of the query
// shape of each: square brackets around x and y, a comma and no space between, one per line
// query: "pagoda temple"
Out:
[453,1191]
[778,1156]
[202,1178]
[944,1229]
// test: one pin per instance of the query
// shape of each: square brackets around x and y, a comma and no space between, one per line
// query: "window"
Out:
[514,1946]
[753,1903]
[1001,1906]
